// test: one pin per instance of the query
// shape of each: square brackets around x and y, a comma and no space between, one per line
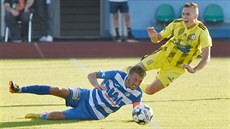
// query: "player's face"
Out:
[189,16]
[133,81]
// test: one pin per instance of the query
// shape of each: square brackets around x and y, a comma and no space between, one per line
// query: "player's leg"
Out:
[164,78]
[72,97]
[60,92]
[125,12]
[150,62]
[115,17]
[39,90]
[152,88]
[126,69]
[77,99]
[57,115]
[114,7]
[127,20]
[116,28]
[142,65]
[124,9]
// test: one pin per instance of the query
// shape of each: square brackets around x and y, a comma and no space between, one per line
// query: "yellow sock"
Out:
[144,86]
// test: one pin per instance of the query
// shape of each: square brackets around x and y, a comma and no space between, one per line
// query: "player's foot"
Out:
[117,39]
[131,39]
[32,115]
[47,38]
[13,88]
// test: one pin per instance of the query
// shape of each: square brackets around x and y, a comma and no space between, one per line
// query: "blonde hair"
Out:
[137,69]
[192,5]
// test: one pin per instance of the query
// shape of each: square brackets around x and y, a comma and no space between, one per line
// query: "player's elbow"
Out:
[207,59]
[91,75]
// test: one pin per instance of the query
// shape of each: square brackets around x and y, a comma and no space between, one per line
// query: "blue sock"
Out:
[43,115]
[36,89]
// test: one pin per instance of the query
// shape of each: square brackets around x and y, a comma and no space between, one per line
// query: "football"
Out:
[142,114]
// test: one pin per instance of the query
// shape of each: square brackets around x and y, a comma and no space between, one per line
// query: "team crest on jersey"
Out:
[193,37]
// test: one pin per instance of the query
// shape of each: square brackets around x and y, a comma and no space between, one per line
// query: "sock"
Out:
[36,89]
[117,32]
[129,32]
[144,86]
[43,115]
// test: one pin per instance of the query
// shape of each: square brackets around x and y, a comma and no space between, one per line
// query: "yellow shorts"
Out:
[167,72]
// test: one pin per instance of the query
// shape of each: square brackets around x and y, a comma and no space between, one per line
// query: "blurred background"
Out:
[73,19]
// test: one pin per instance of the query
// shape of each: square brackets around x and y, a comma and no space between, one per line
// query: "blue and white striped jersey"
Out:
[116,95]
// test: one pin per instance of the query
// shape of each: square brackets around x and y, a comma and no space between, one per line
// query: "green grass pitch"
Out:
[193,101]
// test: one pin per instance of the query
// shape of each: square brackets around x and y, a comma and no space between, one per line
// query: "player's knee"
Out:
[150,90]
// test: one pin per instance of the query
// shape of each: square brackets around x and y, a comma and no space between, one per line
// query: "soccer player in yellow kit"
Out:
[190,38]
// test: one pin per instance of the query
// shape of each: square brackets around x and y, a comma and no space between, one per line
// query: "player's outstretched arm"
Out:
[93,80]
[153,35]
[204,61]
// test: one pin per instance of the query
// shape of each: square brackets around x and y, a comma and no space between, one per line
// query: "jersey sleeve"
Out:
[205,39]
[107,74]
[167,31]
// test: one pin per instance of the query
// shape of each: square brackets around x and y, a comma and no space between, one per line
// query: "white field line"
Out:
[154,124]
[39,50]
[80,65]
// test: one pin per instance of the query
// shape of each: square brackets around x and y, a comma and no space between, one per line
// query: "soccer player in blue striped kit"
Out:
[116,90]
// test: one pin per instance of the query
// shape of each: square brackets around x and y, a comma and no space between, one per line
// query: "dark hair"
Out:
[137,69]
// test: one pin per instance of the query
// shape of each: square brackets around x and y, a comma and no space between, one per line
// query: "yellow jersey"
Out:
[185,44]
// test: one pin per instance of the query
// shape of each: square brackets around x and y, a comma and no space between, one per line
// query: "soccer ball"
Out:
[142,114]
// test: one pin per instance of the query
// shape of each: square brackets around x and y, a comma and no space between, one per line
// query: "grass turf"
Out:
[193,101]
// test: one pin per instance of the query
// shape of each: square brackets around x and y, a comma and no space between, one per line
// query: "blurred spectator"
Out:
[44,8]
[122,6]
[17,10]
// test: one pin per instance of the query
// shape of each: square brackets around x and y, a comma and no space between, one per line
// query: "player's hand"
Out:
[189,68]
[100,87]
[151,32]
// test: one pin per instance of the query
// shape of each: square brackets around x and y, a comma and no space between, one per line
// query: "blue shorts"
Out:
[121,6]
[80,107]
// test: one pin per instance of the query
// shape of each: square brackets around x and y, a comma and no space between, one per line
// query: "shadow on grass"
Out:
[34,122]
[34,105]
[121,121]
[37,122]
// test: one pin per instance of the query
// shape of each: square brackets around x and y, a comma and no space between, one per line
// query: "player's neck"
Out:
[192,25]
